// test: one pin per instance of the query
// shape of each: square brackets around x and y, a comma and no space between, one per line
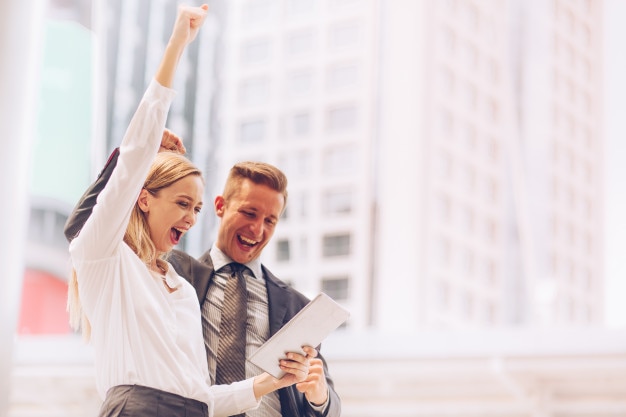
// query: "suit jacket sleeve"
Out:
[284,303]
[85,205]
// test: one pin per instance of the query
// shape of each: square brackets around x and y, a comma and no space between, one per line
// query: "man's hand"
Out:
[314,387]
[170,142]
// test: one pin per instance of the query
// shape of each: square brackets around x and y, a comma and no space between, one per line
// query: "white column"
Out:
[21,24]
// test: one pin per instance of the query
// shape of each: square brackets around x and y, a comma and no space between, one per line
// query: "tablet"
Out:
[308,327]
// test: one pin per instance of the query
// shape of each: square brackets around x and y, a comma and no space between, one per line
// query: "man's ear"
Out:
[220,205]
[143,201]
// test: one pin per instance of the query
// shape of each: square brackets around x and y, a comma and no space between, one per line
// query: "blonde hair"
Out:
[167,168]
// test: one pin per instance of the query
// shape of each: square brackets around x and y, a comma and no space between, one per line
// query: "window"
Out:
[339,161]
[299,83]
[468,220]
[300,7]
[470,96]
[254,91]
[443,252]
[256,13]
[336,287]
[46,226]
[301,166]
[344,35]
[337,202]
[446,81]
[444,208]
[341,118]
[255,51]
[336,245]
[301,124]
[299,43]
[283,253]
[446,123]
[252,131]
[342,76]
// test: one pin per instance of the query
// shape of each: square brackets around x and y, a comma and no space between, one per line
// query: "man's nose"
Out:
[256,226]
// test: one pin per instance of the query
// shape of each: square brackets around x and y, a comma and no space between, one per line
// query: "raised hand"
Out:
[171,142]
[188,22]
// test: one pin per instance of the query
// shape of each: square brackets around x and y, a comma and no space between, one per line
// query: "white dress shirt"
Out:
[142,334]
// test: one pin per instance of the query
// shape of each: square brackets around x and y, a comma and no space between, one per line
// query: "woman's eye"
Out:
[183,204]
[197,210]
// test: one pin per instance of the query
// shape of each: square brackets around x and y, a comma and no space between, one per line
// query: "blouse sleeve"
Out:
[235,398]
[105,228]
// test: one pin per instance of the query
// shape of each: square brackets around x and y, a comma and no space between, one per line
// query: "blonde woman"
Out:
[141,317]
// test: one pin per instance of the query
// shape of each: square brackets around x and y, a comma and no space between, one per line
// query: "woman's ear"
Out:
[143,201]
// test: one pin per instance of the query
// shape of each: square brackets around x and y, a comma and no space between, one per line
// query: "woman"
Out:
[141,317]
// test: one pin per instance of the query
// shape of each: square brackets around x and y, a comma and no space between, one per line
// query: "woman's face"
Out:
[172,211]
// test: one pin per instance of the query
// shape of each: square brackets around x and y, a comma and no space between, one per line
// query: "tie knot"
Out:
[234,269]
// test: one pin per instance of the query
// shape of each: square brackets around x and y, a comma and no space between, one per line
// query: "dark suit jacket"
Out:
[283,301]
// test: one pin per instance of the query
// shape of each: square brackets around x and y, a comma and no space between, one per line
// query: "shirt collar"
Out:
[220,259]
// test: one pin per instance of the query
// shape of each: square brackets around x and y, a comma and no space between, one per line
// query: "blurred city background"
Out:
[455,173]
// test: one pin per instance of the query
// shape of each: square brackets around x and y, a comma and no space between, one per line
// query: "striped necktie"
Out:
[231,352]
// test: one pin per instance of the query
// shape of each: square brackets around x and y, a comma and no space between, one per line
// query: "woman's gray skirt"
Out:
[140,401]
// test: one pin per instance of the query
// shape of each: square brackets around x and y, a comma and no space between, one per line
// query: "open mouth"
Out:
[175,235]
[246,242]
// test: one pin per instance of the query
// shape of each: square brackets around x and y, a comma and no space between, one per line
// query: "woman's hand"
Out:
[188,22]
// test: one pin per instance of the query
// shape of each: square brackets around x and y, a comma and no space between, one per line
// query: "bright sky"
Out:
[615,107]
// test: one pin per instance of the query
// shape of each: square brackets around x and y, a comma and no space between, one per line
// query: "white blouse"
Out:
[142,334]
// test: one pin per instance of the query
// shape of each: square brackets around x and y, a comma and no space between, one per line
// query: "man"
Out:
[254,197]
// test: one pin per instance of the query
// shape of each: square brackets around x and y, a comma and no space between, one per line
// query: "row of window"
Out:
[466,263]
[573,129]
[299,125]
[265,13]
[468,306]
[333,245]
[476,19]
[301,83]
[299,44]
[573,200]
[334,203]
[466,221]
[474,182]
[572,272]
[574,19]
[338,119]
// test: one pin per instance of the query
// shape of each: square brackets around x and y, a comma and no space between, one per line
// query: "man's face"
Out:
[248,220]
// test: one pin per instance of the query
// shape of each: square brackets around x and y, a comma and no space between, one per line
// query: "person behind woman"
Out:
[141,317]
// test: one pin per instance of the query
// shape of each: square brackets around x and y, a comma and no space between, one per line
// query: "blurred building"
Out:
[445,173]
[444,157]
[62,139]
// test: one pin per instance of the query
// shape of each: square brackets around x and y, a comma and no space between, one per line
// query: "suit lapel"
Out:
[197,272]
[277,301]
